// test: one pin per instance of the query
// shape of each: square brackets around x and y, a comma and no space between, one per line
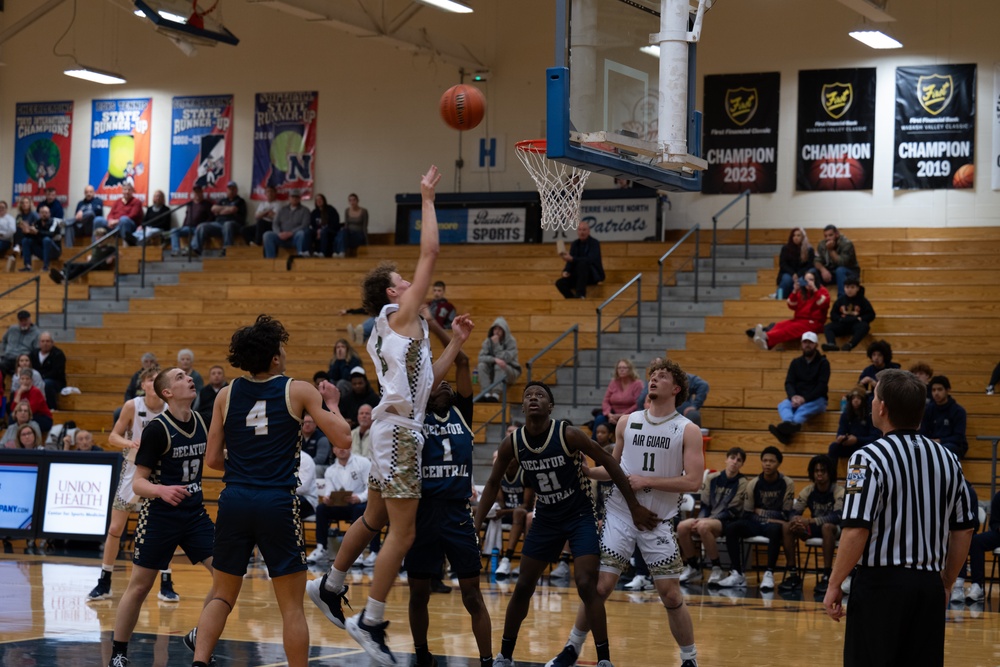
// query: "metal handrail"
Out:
[37,281]
[745,219]
[995,439]
[503,405]
[638,325]
[114,233]
[659,285]
[575,330]
[171,232]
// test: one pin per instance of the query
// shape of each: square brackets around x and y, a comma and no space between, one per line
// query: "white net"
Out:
[560,186]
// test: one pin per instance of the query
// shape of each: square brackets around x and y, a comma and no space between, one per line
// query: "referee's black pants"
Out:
[895,616]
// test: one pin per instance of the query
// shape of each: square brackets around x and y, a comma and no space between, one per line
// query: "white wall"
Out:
[378,125]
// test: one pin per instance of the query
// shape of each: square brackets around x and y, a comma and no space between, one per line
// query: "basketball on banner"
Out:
[965,177]
[832,174]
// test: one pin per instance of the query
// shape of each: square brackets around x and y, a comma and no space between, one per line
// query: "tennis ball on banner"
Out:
[284,144]
[121,151]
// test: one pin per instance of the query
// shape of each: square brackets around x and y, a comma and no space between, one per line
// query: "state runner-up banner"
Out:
[284,143]
[41,150]
[836,132]
[119,147]
[201,146]
[935,127]
[741,132]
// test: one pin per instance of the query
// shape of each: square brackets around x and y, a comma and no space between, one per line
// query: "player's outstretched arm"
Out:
[694,467]
[505,454]
[117,436]
[330,421]
[461,328]
[215,451]
[413,298]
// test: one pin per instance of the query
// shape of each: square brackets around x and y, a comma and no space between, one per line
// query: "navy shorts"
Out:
[265,517]
[444,528]
[546,538]
[161,529]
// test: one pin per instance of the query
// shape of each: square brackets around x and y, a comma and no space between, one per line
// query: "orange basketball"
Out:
[463,107]
[833,174]
[964,177]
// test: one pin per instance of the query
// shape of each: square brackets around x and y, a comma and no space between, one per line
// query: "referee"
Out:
[907,523]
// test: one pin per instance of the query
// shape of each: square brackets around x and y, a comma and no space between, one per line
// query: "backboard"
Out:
[607,97]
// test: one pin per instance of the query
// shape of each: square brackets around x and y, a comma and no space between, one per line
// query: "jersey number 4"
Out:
[257,418]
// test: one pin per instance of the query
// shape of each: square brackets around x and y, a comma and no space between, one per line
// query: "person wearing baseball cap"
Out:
[230,215]
[21,338]
[361,393]
[806,386]
[290,228]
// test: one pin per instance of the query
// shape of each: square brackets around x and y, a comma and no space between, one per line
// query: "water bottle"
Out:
[781,294]
[475,376]
[494,559]
[843,403]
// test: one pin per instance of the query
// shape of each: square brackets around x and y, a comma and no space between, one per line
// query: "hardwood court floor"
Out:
[44,620]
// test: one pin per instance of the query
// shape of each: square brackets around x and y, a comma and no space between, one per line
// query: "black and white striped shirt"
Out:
[909,491]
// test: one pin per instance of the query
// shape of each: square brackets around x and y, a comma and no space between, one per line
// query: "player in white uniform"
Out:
[661,453]
[127,434]
[401,352]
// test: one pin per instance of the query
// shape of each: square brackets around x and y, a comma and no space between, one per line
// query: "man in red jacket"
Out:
[127,214]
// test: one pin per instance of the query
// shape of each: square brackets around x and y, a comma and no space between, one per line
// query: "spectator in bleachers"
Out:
[856,429]
[983,542]
[354,233]
[498,354]
[26,391]
[691,408]
[27,438]
[880,354]
[185,361]
[24,361]
[835,259]
[206,397]
[346,498]
[722,500]
[8,227]
[315,444]
[55,206]
[306,491]
[806,386]
[824,499]
[157,221]
[344,359]
[102,258]
[442,310]
[80,441]
[325,224]
[361,393]
[794,261]
[361,436]
[89,214]
[230,215]
[50,362]
[944,419]
[21,417]
[264,218]
[20,338]
[583,264]
[127,214]
[197,213]
[851,315]
[147,361]
[290,228]
[622,394]
[994,380]
[809,302]
[924,373]
[767,504]
[42,239]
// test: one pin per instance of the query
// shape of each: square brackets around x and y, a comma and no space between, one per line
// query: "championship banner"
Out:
[996,127]
[836,129]
[201,146]
[284,146]
[41,150]
[741,132]
[935,127]
[119,147]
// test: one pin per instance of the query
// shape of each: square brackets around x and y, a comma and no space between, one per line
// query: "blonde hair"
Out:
[631,370]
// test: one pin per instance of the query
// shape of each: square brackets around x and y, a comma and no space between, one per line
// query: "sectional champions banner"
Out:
[44,132]
[284,143]
[836,129]
[935,127]
[741,132]
[201,146]
[119,147]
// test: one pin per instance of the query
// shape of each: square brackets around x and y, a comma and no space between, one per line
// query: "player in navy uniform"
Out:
[168,475]
[551,454]
[255,438]
[444,515]
[516,501]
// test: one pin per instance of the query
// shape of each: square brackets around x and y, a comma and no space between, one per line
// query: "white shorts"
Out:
[658,547]
[395,457]
[126,499]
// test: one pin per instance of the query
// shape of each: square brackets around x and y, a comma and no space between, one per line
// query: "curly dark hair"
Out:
[826,462]
[883,347]
[252,348]
[678,374]
[373,287]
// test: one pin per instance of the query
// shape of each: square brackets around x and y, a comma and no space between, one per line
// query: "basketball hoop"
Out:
[560,186]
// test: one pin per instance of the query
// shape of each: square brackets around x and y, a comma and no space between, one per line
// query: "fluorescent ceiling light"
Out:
[651,50]
[453,6]
[876,39]
[176,18]
[95,75]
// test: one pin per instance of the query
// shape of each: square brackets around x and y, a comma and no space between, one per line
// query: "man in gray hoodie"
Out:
[498,355]
[22,338]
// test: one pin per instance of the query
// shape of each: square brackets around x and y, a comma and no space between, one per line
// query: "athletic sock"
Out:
[564,557]
[107,568]
[694,562]
[576,639]
[119,648]
[603,651]
[689,652]
[486,662]
[423,655]
[374,611]
[793,570]
[335,580]
[507,647]
[826,572]
[199,663]
[717,562]
[508,554]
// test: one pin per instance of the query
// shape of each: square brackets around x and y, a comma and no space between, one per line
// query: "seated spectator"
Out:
[622,394]
[8,227]
[835,259]
[102,258]
[290,228]
[315,444]
[28,438]
[80,441]
[880,354]
[794,261]
[851,315]
[325,225]
[263,217]
[994,379]
[944,419]
[185,361]
[206,397]
[320,376]
[856,429]
[347,478]
[824,499]
[809,304]
[497,355]
[24,362]
[924,373]
[722,499]
[691,408]
[89,214]
[229,213]
[306,491]
[806,386]
[147,361]
[20,338]
[361,436]
[198,212]
[982,543]
[55,206]
[157,220]
[42,239]
[361,393]
[583,265]
[441,309]
[354,232]
[26,391]
[126,213]
[21,417]
[767,504]
[344,359]
[50,362]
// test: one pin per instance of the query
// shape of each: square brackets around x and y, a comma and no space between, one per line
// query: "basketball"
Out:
[831,174]
[964,177]
[463,107]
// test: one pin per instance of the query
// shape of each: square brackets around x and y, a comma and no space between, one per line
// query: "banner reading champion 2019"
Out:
[201,146]
[119,147]
[935,127]
[41,150]
[741,133]
[836,129]
[284,143]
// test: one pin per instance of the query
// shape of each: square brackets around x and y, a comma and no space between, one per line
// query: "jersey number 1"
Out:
[257,418]
[648,459]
